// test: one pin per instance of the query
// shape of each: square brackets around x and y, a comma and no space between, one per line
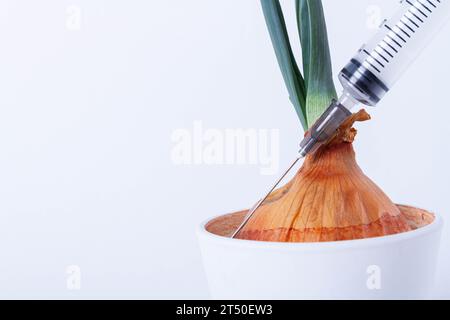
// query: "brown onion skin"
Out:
[329,199]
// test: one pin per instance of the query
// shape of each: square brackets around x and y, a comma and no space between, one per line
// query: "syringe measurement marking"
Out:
[390,37]
[406,33]
[428,9]
[417,26]
[409,10]
[367,62]
[405,23]
[391,55]
[390,46]
[390,29]
[379,47]
[431,3]
[379,54]
[417,9]
[396,30]
[370,55]
[389,41]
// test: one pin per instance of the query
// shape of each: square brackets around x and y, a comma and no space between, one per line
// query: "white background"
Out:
[86,118]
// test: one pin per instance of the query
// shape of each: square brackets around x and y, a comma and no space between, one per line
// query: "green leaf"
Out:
[317,67]
[291,73]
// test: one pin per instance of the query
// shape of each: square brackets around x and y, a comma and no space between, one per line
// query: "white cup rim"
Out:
[435,226]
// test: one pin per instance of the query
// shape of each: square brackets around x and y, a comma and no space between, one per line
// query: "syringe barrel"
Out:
[372,72]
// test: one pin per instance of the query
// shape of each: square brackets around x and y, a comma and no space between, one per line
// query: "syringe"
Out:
[376,67]
[373,71]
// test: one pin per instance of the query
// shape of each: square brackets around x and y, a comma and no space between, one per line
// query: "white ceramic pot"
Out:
[400,266]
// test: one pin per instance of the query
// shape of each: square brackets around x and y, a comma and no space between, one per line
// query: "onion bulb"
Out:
[329,199]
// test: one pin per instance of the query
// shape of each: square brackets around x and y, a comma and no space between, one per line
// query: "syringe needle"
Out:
[322,130]
[259,204]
